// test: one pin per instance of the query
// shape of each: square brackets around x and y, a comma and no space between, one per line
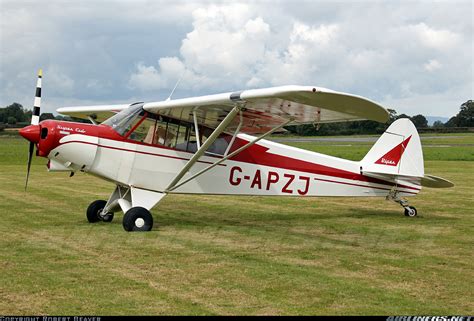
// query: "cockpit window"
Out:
[124,120]
[137,124]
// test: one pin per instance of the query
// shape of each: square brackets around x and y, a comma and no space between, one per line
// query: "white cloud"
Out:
[149,78]
[444,103]
[389,52]
[321,35]
[231,46]
[432,65]
[59,80]
[225,46]
[440,39]
[146,78]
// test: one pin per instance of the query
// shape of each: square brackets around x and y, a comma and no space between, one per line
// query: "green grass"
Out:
[447,147]
[235,255]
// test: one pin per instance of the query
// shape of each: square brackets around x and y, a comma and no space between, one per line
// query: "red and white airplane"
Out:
[215,145]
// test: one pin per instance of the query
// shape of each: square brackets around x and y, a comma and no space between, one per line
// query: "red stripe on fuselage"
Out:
[259,155]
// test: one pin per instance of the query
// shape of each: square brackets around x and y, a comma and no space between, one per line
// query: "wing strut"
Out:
[170,189]
[196,129]
[209,141]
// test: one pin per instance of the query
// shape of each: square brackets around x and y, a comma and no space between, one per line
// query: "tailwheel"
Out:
[410,211]
[94,212]
[137,219]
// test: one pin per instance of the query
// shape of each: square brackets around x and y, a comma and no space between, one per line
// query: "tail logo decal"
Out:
[392,157]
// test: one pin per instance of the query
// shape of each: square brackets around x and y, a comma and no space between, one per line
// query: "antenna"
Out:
[175,86]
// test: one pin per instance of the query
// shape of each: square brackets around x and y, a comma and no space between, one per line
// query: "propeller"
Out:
[32,132]
[30,156]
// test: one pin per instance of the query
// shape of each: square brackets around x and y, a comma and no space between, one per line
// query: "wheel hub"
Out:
[139,222]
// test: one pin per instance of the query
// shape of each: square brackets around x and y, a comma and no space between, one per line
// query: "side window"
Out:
[161,136]
[144,130]
[179,135]
[220,144]
[192,142]
[172,133]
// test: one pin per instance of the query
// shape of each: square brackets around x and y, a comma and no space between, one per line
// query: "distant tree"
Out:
[465,117]
[45,116]
[14,110]
[419,121]
[403,116]
[438,124]
[28,115]
[392,115]
[11,120]
[452,122]
[59,117]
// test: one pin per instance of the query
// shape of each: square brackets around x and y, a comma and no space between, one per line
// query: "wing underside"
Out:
[261,109]
[97,113]
[268,108]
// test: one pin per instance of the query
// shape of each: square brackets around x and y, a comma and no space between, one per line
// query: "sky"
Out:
[413,56]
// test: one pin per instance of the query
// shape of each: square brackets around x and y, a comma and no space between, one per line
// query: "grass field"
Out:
[238,255]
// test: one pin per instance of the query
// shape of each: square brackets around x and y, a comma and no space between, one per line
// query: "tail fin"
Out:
[397,152]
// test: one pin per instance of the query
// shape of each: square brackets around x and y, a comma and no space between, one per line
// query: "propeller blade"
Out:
[37,103]
[34,121]
[30,157]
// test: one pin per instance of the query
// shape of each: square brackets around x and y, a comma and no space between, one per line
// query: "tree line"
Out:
[16,114]
[464,118]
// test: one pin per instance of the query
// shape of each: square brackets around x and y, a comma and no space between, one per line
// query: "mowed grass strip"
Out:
[233,255]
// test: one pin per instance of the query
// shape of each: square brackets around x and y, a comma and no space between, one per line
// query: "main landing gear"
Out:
[135,219]
[409,210]
[135,203]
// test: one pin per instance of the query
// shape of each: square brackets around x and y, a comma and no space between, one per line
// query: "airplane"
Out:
[216,145]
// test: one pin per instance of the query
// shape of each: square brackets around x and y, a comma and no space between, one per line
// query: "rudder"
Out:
[397,152]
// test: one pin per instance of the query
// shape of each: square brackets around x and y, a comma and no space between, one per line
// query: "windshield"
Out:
[136,124]
[123,121]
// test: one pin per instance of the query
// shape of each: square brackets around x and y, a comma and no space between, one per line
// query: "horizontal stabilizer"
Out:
[435,182]
[414,181]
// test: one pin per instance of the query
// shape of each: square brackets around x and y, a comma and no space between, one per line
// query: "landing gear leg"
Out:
[103,211]
[409,210]
[135,203]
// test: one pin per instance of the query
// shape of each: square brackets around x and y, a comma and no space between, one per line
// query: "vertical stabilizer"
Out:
[397,152]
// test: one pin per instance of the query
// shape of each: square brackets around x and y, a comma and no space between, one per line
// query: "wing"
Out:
[97,113]
[270,107]
[263,109]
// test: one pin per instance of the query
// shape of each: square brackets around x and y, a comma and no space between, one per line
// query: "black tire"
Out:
[413,213]
[137,219]
[94,209]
